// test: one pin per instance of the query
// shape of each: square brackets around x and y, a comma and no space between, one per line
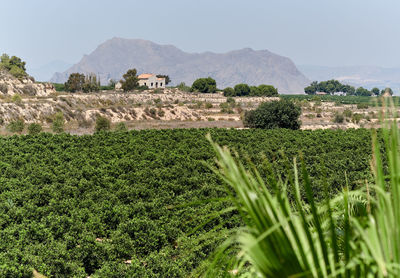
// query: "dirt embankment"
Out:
[169,109]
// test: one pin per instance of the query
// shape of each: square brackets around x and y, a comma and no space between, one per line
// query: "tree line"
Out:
[333,86]
[209,85]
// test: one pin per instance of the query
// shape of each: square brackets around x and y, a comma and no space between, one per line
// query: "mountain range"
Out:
[113,58]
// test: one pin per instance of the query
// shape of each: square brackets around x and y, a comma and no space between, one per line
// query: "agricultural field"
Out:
[144,203]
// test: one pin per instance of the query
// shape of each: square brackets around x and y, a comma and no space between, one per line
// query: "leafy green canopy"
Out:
[14,65]
[275,114]
[204,85]
[74,206]
[130,81]
[334,86]
[245,90]
[78,82]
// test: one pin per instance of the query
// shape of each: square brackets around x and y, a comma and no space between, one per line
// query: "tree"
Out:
[275,114]
[349,90]
[267,90]
[312,89]
[112,83]
[229,92]
[5,61]
[330,87]
[17,62]
[75,82]
[102,123]
[182,87]
[204,85]
[375,91]
[91,84]
[130,81]
[14,65]
[242,90]
[254,91]
[167,79]
[362,92]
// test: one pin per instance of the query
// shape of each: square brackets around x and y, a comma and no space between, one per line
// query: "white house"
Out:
[151,80]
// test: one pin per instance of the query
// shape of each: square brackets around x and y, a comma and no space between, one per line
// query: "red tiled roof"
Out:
[145,75]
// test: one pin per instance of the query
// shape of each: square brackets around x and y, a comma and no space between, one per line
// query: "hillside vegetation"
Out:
[132,204]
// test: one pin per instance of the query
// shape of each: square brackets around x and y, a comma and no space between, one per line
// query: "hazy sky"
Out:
[319,32]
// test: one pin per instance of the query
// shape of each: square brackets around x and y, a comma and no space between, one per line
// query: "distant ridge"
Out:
[114,57]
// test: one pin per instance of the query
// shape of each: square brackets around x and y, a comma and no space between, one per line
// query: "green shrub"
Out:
[161,113]
[142,88]
[58,123]
[230,100]
[16,126]
[102,124]
[3,88]
[16,98]
[362,106]
[121,127]
[34,128]
[85,123]
[338,118]
[208,105]
[356,118]
[29,90]
[275,114]
[347,113]
[182,87]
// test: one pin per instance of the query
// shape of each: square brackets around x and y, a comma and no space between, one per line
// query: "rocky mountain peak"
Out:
[114,57]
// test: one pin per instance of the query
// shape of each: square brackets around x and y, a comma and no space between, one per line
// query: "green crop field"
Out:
[133,204]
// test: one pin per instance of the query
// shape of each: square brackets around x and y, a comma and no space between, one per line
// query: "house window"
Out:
[161,84]
[156,84]
[145,84]
[151,84]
